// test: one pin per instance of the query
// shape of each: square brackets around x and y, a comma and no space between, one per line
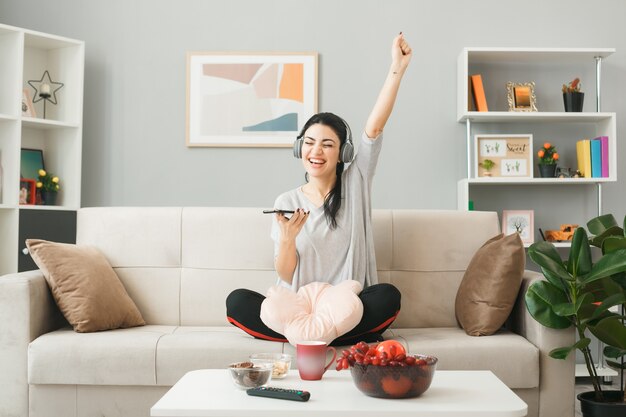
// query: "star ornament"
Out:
[45,88]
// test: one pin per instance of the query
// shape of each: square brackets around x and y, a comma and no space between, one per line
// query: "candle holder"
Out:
[45,90]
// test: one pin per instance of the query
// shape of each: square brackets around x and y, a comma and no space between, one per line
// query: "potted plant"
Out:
[579,293]
[487,165]
[609,237]
[48,187]
[547,160]
[573,98]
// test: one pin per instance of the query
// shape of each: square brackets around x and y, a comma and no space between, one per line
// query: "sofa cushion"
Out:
[114,357]
[189,347]
[84,286]
[509,356]
[318,311]
[147,355]
[490,285]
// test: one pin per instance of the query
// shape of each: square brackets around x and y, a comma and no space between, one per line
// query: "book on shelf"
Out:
[478,92]
[583,155]
[596,159]
[604,155]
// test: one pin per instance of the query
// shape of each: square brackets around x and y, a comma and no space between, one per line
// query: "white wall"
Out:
[134,126]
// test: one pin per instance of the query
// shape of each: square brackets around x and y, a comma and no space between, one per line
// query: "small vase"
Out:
[547,171]
[49,198]
[573,101]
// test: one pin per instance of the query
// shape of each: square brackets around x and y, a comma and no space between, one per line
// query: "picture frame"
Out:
[521,96]
[28,109]
[28,191]
[519,221]
[511,156]
[249,99]
[31,161]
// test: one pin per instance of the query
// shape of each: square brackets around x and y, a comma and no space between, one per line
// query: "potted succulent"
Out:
[573,98]
[580,293]
[48,187]
[487,165]
[548,156]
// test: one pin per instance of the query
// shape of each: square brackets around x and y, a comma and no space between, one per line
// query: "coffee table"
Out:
[210,392]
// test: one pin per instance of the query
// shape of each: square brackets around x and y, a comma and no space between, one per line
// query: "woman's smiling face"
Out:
[320,151]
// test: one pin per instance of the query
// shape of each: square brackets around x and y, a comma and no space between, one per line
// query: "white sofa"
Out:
[179,264]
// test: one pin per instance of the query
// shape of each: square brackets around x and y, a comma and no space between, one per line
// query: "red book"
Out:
[480,101]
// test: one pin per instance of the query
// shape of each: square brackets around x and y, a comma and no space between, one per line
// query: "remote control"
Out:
[280,393]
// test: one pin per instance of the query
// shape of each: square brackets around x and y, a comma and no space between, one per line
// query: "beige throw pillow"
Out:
[84,286]
[490,285]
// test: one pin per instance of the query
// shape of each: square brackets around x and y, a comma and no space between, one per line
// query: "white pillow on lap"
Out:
[318,311]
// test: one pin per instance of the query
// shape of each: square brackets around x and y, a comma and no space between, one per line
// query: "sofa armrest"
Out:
[557,377]
[27,310]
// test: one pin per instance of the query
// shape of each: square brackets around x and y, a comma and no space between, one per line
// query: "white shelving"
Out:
[549,68]
[24,56]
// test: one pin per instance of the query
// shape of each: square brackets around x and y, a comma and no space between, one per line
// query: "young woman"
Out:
[329,237]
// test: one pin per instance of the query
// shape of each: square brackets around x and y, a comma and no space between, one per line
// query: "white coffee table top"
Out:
[210,392]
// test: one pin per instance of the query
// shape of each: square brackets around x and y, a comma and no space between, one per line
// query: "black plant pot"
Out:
[547,171]
[611,407]
[573,101]
[49,197]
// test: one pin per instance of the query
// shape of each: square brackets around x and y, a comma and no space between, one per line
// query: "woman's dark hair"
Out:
[332,201]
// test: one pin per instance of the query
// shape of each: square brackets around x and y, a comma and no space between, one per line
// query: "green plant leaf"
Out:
[564,309]
[615,231]
[609,264]
[569,309]
[546,256]
[540,298]
[563,352]
[608,302]
[611,331]
[599,224]
[616,365]
[579,262]
[613,243]
[613,352]
[555,280]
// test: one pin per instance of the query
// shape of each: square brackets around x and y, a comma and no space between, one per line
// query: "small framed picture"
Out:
[28,191]
[28,109]
[521,96]
[31,162]
[519,221]
[503,156]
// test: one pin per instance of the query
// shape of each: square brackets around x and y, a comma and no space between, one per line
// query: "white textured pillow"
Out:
[318,311]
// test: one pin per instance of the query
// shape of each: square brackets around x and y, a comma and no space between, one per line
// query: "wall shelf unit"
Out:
[24,56]
[549,68]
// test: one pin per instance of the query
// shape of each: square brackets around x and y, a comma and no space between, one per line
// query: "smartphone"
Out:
[278,211]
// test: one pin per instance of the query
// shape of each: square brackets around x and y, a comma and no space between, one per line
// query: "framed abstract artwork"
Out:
[249,99]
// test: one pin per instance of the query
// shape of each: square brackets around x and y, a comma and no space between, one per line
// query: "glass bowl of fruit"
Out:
[385,370]
[281,362]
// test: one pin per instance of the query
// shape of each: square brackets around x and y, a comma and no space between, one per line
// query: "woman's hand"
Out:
[287,259]
[401,53]
[290,227]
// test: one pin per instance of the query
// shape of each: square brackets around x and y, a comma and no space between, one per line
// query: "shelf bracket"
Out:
[598,72]
[468,134]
